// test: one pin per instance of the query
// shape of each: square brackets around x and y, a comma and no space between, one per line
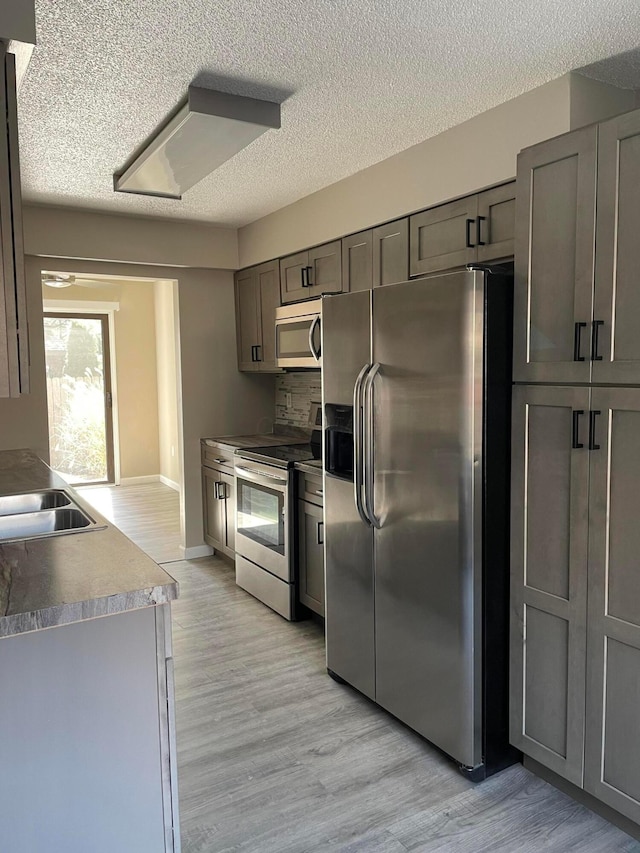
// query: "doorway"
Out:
[79,397]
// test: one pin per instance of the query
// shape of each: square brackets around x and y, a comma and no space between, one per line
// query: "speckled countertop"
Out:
[62,579]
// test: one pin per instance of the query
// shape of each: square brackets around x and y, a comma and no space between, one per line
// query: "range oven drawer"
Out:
[264,586]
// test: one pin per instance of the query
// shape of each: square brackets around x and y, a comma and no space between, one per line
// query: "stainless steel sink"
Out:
[33,502]
[50,512]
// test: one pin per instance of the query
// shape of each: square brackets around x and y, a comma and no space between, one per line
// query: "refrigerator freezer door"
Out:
[427,408]
[349,614]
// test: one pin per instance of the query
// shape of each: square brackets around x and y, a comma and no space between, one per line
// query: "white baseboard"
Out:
[138,481]
[171,483]
[196,551]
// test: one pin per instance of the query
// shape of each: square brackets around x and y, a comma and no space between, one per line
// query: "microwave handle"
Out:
[312,331]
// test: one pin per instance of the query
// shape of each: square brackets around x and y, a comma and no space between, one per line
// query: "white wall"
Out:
[64,232]
[593,101]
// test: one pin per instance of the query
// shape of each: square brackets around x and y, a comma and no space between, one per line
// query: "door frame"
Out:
[73,308]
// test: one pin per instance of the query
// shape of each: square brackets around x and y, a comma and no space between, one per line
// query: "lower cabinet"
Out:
[575,645]
[218,503]
[311,542]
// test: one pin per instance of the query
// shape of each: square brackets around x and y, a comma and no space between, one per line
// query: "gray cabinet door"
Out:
[357,262]
[325,270]
[549,540]
[617,295]
[227,493]
[555,238]
[214,507]
[391,253]
[444,237]
[496,223]
[311,555]
[293,270]
[14,352]
[612,757]
[248,321]
[269,288]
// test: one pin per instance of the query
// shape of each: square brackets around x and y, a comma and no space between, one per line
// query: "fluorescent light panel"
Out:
[208,130]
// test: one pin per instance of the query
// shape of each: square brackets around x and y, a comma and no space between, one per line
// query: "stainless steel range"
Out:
[265,523]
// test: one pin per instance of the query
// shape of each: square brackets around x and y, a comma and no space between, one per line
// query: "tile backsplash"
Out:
[300,390]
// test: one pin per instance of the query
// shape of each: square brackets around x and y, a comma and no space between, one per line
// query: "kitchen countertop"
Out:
[245,442]
[73,577]
[314,466]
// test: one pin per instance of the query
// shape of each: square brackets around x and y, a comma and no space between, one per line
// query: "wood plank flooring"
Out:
[275,757]
[149,514]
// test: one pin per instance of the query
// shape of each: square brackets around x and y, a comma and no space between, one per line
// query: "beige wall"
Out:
[166,313]
[24,420]
[217,399]
[470,156]
[68,233]
[136,383]
[593,101]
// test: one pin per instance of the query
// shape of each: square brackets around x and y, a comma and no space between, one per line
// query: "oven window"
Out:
[293,339]
[261,515]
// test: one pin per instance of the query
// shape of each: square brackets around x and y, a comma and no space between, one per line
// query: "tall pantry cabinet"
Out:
[575,660]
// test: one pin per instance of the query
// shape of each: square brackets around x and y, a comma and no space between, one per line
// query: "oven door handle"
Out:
[260,477]
[358,459]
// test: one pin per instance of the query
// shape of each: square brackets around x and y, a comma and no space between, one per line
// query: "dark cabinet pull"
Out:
[253,353]
[258,353]
[594,340]
[309,271]
[479,240]
[302,275]
[592,429]
[320,532]
[577,341]
[575,431]
[470,245]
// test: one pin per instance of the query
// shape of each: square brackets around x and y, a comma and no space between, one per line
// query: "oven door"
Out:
[262,516]
[298,341]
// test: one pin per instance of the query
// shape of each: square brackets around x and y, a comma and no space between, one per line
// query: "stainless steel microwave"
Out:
[298,334]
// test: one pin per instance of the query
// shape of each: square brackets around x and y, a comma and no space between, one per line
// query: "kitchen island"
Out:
[86,716]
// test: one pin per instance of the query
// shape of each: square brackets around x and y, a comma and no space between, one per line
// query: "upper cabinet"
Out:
[376,257]
[478,228]
[555,229]
[311,274]
[14,343]
[577,256]
[616,328]
[357,261]
[391,252]
[257,297]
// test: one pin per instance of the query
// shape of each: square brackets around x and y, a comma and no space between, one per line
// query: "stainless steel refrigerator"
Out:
[416,393]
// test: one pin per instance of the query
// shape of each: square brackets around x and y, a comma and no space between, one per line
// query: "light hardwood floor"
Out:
[275,757]
[149,514]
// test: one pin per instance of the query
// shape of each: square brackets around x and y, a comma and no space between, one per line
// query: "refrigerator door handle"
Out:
[358,458]
[368,447]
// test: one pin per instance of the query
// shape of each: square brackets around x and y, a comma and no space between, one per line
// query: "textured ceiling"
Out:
[359,80]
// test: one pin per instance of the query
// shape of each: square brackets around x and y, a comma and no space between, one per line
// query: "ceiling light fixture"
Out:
[210,128]
[57,280]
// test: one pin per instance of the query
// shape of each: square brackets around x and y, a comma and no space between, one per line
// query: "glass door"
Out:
[79,397]
[260,515]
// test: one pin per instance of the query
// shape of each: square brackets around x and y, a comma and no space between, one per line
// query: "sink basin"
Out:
[33,502]
[49,512]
